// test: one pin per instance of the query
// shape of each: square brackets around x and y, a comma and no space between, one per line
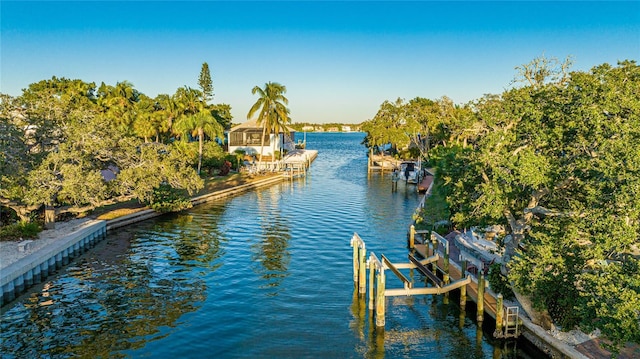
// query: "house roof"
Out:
[251,125]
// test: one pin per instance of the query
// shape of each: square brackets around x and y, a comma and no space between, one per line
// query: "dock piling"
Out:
[362,280]
[463,296]
[380,300]
[499,317]
[412,236]
[480,303]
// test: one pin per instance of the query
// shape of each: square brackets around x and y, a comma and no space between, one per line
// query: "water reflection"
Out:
[271,256]
[363,325]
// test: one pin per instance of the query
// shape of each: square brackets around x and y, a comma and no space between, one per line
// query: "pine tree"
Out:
[205,83]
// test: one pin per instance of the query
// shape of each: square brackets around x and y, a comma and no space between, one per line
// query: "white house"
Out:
[246,137]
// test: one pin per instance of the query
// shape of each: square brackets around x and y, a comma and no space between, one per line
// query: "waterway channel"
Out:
[265,274]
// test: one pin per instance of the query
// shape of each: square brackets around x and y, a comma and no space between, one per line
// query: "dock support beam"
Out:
[480,317]
[463,297]
[359,263]
[412,236]
[380,300]
[372,281]
[362,280]
[499,317]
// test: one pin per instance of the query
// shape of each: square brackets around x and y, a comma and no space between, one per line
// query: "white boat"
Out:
[410,172]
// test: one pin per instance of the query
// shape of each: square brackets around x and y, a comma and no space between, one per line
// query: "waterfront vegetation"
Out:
[68,147]
[554,163]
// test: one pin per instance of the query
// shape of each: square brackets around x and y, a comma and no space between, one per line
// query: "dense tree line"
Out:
[71,146]
[554,161]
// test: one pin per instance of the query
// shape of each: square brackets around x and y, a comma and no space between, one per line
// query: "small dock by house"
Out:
[382,163]
[297,162]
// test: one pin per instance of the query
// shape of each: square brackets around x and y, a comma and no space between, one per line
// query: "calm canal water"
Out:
[265,274]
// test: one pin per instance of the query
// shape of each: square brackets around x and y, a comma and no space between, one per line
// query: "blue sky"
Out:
[339,60]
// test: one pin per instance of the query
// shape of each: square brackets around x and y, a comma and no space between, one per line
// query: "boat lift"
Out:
[377,282]
[507,318]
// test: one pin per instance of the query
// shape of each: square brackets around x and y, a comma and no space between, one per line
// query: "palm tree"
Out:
[189,100]
[118,103]
[200,124]
[274,114]
[168,108]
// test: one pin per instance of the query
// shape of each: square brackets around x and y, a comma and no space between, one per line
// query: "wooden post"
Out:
[372,272]
[445,276]
[362,280]
[354,244]
[412,236]
[463,266]
[380,300]
[479,336]
[480,317]
[499,317]
[434,243]
[463,297]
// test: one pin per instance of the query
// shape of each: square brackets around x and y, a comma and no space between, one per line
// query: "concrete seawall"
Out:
[35,267]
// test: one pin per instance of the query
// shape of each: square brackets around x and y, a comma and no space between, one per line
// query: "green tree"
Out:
[188,100]
[169,110]
[205,83]
[222,113]
[557,163]
[118,104]
[149,121]
[198,125]
[152,165]
[273,113]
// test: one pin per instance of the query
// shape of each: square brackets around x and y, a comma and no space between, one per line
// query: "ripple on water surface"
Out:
[265,274]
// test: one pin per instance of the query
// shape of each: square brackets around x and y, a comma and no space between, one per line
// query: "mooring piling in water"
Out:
[412,236]
[359,263]
[433,265]
[377,281]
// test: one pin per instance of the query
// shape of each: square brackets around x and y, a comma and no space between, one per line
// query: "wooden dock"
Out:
[438,268]
[297,162]
[455,273]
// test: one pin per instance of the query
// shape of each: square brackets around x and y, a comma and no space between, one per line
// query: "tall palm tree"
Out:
[168,108]
[200,124]
[273,112]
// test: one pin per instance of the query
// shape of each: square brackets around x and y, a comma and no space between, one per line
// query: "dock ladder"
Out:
[511,319]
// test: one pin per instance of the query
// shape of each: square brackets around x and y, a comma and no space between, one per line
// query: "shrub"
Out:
[168,199]
[225,168]
[22,229]
[499,283]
